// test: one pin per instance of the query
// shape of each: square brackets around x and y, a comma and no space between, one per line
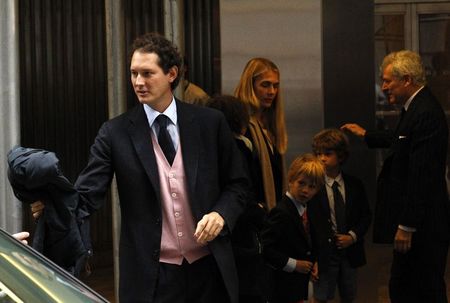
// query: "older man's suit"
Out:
[215,177]
[412,188]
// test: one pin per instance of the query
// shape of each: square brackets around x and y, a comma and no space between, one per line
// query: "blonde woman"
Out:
[259,89]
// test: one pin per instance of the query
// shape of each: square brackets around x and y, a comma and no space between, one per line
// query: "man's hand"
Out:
[343,241]
[37,208]
[209,227]
[354,129]
[22,236]
[303,266]
[402,241]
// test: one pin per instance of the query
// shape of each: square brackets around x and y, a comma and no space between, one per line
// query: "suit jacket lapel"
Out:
[190,141]
[348,196]
[140,134]
[292,210]
[323,200]
[405,125]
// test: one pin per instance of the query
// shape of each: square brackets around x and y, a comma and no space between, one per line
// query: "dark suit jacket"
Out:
[284,237]
[357,218]
[412,188]
[216,182]
[246,238]
[35,174]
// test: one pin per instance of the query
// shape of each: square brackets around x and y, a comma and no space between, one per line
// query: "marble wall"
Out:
[289,33]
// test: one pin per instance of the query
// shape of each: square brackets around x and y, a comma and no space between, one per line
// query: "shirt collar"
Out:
[408,102]
[171,112]
[300,207]
[329,181]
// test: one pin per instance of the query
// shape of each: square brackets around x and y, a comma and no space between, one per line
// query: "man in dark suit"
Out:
[412,206]
[181,186]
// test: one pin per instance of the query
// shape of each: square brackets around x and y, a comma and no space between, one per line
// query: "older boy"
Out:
[342,217]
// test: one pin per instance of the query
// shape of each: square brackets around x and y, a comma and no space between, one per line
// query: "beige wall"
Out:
[289,33]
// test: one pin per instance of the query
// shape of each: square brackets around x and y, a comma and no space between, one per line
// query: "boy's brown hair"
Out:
[331,139]
[309,166]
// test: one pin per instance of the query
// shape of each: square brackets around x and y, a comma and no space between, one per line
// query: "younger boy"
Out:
[286,238]
[341,214]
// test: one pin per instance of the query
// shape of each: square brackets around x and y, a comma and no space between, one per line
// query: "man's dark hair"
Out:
[234,110]
[167,52]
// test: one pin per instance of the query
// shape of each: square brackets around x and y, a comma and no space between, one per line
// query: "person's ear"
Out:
[408,80]
[173,73]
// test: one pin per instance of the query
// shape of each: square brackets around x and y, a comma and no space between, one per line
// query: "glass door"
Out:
[391,34]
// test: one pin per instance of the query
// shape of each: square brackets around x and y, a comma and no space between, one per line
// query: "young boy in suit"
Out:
[287,242]
[341,214]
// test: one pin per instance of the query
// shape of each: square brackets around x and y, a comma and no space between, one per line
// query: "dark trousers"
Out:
[418,275]
[199,282]
[251,299]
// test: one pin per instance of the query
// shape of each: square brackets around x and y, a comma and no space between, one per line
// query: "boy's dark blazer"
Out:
[216,181]
[284,237]
[412,189]
[357,219]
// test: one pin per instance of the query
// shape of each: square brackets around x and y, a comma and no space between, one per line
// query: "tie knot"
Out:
[335,185]
[162,120]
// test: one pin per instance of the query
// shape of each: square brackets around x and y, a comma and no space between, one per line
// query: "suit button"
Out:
[329,240]
[308,253]
[158,221]
[155,255]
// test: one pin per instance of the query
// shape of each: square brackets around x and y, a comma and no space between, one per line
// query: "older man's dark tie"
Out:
[402,115]
[164,139]
[339,208]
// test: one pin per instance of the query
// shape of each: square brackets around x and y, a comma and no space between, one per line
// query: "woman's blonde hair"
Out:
[275,114]
[309,166]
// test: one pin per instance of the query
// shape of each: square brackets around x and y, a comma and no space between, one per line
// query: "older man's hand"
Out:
[354,129]
[402,241]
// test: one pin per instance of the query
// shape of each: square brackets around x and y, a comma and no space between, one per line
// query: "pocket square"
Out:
[401,137]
